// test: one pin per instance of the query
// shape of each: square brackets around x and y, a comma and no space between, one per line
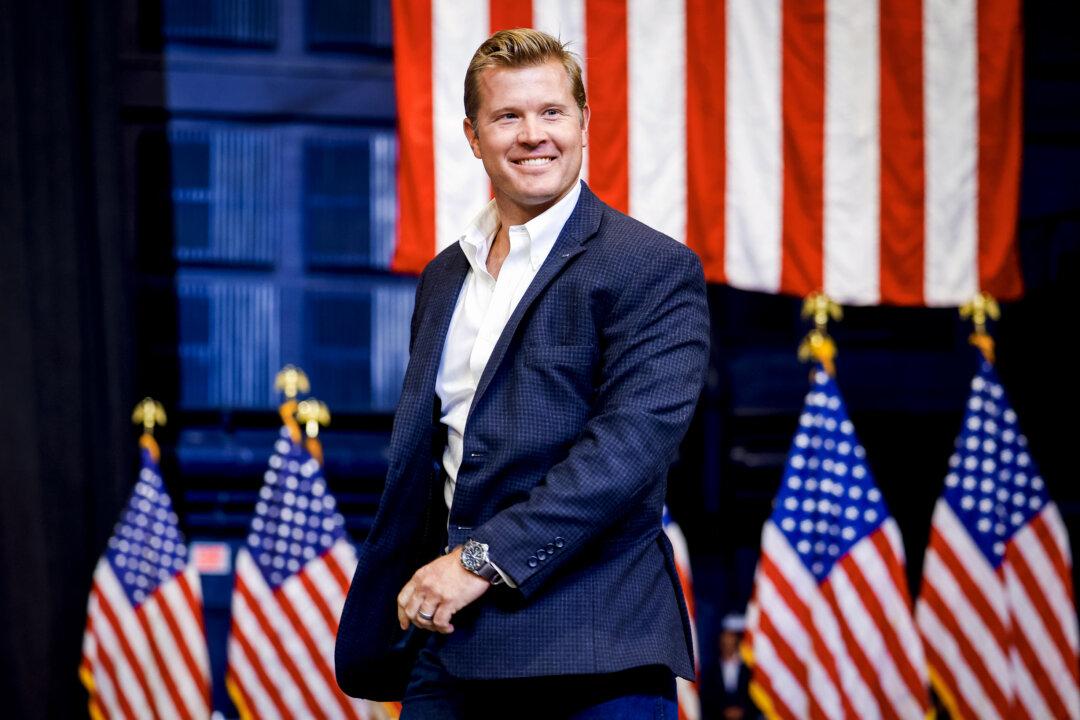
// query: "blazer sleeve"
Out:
[654,353]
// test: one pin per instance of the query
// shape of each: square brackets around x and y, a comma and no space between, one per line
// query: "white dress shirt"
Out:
[483,307]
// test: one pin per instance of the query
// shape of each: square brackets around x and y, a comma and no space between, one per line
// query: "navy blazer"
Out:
[575,421]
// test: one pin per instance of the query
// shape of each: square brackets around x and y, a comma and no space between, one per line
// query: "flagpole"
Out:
[818,346]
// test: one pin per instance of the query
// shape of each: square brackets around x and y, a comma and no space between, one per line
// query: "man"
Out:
[516,565]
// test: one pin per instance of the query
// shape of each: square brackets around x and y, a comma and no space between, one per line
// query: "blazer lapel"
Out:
[440,297]
[582,224]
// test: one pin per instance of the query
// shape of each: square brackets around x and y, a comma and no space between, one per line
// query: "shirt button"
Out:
[549,549]
[559,542]
[533,562]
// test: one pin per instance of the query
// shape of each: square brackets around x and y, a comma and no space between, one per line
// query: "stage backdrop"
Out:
[871,149]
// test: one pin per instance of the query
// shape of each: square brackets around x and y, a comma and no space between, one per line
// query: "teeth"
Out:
[533,161]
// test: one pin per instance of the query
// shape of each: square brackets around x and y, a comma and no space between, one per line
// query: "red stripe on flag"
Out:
[976,598]
[706,170]
[416,147]
[798,669]
[971,656]
[944,673]
[762,680]
[320,662]
[319,601]
[235,685]
[606,44]
[1037,597]
[260,672]
[858,657]
[1050,547]
[802,613]
[110,670]
[337,571]
[164,672]
[872,603]
[125,646]
[510,14]
[1000,128]
[1035,669]
[272,637]
[803,90]
[178,636]
[903,188]
[193,603]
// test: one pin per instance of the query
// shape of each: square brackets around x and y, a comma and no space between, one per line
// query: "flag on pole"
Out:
[144,648]
[870,148]
[829,630]
[292,575]
[689,699]
[996,608]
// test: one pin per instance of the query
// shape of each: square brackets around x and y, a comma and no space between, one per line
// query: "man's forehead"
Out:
[544,83]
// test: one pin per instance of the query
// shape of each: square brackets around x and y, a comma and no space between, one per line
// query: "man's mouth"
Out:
[534,161]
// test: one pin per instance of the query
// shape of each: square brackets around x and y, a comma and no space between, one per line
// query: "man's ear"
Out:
[472,136]
[586,113]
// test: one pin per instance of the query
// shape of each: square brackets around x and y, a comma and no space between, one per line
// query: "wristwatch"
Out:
[474,558]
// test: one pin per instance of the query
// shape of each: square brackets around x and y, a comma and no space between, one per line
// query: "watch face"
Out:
[473,555]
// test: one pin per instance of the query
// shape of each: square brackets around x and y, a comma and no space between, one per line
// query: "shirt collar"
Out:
[540,233]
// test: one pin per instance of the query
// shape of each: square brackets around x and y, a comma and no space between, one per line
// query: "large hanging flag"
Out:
[830,632]
[144,648]
[996,607]
[867,147]
[292,576]
[689,698]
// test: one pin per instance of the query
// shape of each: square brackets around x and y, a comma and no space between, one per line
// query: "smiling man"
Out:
[516,566]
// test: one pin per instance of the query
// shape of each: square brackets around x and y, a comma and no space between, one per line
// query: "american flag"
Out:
[870,148]
[689,699]
[292,575]
[829,631]
[144,648]
[996,608]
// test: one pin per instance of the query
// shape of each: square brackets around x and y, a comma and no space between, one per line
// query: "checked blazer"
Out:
[576,419]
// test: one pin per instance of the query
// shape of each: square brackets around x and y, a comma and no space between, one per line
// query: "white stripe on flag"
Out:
[109,586]
[656,104]
[185,618]
[852,152]
[1029,623]
[937,636]
[971,557]
[103,686]
[783,683]
[856,620]
[1027,694]
[754,145]
[245,677]
[265,655]
[461,185]
[190,688]
[128,683]
[1042,568]
[1053,521]
[326,586]
[565,19]
[777,547]
[967,618]
[951,107]
[303,604]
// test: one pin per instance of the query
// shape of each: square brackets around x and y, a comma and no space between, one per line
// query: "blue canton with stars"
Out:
[993,485]
[827,500]
[295,518]
[146,548]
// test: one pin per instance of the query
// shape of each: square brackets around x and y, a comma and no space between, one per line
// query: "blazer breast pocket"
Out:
[563,374]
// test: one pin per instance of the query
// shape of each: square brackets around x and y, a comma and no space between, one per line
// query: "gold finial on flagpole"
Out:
[817,345]
[291,381]
[312,414]
[981,307]
[149,413]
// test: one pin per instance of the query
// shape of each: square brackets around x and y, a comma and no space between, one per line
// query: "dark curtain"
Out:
[65,444]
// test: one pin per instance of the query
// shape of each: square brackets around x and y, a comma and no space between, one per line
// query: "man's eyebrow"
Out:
[516,108]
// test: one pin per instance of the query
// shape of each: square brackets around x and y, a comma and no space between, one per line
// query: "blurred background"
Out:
[195,192]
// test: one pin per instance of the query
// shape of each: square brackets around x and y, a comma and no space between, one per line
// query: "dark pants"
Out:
[646,693]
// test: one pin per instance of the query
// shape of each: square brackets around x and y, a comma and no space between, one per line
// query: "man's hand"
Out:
[438,590]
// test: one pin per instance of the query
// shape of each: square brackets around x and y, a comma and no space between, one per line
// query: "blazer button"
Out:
[533,562]
[559,542]
[541,555]
[549,549]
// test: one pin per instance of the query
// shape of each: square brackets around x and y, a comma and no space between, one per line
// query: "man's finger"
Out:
[441,622]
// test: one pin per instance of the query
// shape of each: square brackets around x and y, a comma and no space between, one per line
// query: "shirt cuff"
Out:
[505,577]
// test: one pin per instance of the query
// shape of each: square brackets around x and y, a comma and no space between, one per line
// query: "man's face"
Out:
[529,135]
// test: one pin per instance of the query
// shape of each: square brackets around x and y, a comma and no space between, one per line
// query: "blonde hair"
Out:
[516,48]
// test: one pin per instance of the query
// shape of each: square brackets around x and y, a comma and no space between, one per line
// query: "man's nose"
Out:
[531,132]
